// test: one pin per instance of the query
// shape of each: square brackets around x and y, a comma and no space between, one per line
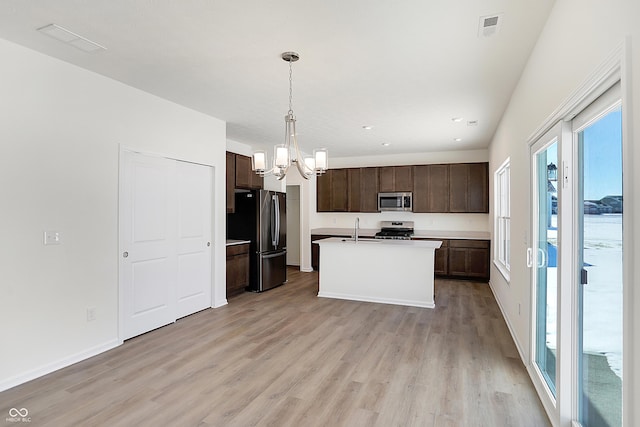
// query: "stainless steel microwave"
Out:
[395,202]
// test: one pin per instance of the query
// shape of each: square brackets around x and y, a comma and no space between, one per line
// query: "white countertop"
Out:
[418,234]
[381,242]
[231,242]
[441,234]
[363,232]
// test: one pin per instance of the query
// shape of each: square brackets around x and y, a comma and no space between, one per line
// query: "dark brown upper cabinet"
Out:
[354,198]
[245,177]
[331,194]
[339,182]
[469,187]
[431,188]
[231,181]
[439,188]
[323,192]
[395,179]
[369,189]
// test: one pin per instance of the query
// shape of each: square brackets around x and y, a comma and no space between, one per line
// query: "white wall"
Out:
[578,37]
[61,129]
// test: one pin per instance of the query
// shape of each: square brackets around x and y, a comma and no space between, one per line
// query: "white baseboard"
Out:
[409,303]
[220,303]
[58,364]
[306,269]
[506,320]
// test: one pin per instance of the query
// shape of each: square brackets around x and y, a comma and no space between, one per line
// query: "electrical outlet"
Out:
[91,314]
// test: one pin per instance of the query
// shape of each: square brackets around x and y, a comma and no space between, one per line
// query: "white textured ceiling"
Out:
[404,67]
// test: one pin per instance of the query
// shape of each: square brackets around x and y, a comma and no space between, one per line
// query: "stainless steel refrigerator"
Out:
[260,216]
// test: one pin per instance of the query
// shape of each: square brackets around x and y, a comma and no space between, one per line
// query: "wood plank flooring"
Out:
[288,358]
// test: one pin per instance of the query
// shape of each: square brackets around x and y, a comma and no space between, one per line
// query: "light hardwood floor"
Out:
[289,358]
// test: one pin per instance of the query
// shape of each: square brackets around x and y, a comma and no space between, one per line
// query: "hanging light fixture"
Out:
[289,152]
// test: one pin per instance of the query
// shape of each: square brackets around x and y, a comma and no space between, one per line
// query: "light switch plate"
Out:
[52,238]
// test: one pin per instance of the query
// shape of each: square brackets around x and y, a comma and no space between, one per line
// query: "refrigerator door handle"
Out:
[277,200]
[274,255]
[274,220]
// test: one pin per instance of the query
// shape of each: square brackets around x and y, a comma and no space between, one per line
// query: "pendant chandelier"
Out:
[284,155]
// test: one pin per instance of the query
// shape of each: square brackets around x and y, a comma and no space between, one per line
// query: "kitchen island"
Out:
[383,271]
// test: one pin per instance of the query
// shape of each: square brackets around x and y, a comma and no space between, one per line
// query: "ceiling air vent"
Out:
[489,25]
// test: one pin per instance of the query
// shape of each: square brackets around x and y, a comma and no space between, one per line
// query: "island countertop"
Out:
[435,244]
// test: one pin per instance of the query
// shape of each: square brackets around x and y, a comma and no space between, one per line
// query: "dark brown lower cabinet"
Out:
[237,269]
[441,266]
[454,259]
[469,259]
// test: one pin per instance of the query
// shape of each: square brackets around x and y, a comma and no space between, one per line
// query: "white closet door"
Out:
[148,243]
[194,238]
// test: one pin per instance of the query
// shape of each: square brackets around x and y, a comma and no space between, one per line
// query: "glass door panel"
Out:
[600,271]
[545,262]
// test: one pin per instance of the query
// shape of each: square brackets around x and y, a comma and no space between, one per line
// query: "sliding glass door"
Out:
[543,258]
[576,261]
[598,133]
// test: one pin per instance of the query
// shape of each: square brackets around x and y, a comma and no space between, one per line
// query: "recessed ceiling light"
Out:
[457,139]
[456,119]
[472,123]
[385,144]
[367,127]
[69,37]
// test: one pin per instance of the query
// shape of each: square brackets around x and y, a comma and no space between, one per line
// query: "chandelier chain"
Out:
[290,89]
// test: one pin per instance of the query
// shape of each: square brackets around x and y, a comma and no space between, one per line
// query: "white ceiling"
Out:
[404,67]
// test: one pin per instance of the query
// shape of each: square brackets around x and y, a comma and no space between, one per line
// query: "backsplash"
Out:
[423,221]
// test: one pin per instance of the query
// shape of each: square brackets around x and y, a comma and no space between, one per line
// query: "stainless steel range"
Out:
[396,230]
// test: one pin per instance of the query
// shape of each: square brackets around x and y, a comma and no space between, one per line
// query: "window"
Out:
[503,219]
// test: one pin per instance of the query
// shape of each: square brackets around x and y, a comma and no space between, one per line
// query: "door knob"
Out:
[125,254]
[208,244]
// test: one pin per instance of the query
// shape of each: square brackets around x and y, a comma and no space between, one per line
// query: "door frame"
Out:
[616,67]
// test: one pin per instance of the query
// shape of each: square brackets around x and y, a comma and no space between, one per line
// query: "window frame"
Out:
[502,202]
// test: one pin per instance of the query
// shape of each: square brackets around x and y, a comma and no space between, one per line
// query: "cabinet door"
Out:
[231,181]
[478,262]
[256,181]
[237,274]
[458,177]
[458,262]
[421,188]
[353,192]
[243,170]
[396,179]
[403,178]
[478,188]
[369,189]
[338,190]
[323,192]
[441,261]
[386,181]
[438,182]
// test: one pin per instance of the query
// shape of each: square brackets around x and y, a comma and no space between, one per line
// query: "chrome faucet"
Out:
[356,229]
